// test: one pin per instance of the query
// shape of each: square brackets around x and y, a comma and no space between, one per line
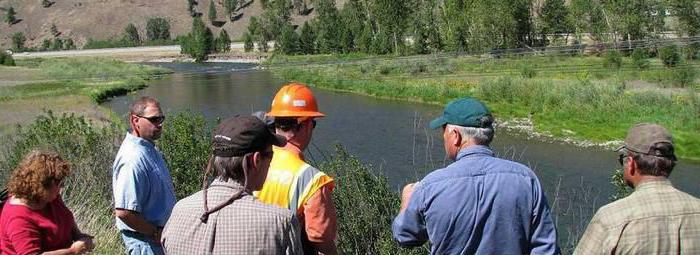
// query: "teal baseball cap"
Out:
[465,112]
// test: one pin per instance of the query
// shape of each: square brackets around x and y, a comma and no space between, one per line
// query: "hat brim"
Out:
[278,140]
[436,123]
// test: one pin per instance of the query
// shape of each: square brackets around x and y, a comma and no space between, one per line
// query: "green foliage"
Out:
[365,205]
[621,189]
[18,40]
[527,71]
[307,39]
[199,42]
[640,58]
[248,44]
[684,76]
[45,44]
[45,3]
[692,51]
[212,11]
[288,42]
[10,15]
[6,59]
[69,44]
[555,17]
[57,44]
[670,55]
[223,42]
[186,145]
[613,59]
[231,6]
[90,149]
[131,34]
[157,28]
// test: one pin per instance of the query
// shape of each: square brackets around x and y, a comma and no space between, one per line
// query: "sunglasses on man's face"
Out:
[153,119]
[621,159]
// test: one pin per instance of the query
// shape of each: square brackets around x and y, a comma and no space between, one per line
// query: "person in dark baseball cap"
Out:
[225,216]
[656,218]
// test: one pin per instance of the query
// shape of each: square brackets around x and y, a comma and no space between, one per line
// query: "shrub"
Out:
[6,59]
[640,58]
[621,188]
[692,51]
[45,44]
[131,34]
[365,205]
[69,44]
[684,76]
[223,42]
[18,40]
[157,29]
[613,59]
[670,55]
[248,42]
[186,145]
[57,44]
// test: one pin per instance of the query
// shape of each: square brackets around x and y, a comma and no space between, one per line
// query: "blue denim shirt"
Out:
[141,182]
[479,204]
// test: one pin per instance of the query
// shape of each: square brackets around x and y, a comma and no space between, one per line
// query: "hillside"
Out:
[104,19]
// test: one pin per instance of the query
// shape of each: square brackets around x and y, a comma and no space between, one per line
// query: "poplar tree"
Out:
[18,40]
[10,15]
[307,39]
[223,42]
[248,42]
[288,41]
[212,11]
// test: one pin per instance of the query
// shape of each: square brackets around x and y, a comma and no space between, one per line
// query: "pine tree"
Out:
[223,42]
[307,39]
[10,15]
[18,40]
[45,3]
[288,42]
[248,44]
[212,11]
[131,34]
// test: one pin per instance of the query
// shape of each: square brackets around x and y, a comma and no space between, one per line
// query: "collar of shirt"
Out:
[231,184]
[474,150]
[653,184]
[138,140]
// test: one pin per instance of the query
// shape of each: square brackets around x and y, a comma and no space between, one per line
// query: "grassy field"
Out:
[74,85]
[563,96]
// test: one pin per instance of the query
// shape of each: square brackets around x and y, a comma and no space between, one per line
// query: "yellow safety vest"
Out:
[290,181]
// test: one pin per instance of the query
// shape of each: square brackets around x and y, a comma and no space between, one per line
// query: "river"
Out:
[392,135]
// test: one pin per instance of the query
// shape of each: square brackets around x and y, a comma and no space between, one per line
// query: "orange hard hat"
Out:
[295,100]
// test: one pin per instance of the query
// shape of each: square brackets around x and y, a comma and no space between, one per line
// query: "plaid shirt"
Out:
[246,226]
[655,219]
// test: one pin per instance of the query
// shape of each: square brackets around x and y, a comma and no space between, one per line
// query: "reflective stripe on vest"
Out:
[290,181]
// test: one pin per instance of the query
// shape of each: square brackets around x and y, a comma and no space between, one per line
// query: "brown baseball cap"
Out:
[240,135]
[642,138]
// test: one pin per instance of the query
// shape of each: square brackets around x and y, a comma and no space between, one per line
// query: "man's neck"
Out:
[291,147]
[649,178]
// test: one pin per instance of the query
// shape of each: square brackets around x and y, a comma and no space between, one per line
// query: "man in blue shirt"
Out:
[479,204]
[143,189]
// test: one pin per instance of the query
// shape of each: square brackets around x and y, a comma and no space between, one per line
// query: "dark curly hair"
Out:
[35,174]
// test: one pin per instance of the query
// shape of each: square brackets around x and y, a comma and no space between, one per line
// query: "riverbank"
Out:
[573,99]
[75,85]
[167,53]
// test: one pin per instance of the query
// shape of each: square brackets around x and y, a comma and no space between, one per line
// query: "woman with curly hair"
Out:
[34,220]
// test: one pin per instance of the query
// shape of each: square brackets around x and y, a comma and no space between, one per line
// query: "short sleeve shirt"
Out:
[26,231]
[141,182]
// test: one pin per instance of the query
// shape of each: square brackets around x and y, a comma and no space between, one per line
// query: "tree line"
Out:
[428,26]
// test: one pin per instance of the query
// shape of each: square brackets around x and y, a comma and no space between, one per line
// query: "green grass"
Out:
[97,78]
[573,97]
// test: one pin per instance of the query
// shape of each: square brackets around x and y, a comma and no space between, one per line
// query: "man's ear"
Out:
[456,137]
[632,165]
[256,157]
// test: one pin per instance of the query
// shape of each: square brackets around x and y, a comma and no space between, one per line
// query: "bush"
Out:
[640,58]
[692,51]
[186,145]
[613,59]
[157,29]
[248,42]
[131,34]
[684,76]
[670,55]
[6,59]
[223,42]
[365,205]
[18,40]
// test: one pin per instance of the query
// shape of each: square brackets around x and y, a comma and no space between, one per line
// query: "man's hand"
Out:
[406,195]
[82,246]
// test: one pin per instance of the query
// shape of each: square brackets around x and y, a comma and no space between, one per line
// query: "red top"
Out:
[25,231]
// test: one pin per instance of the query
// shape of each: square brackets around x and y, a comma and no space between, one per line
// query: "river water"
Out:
[392,135]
